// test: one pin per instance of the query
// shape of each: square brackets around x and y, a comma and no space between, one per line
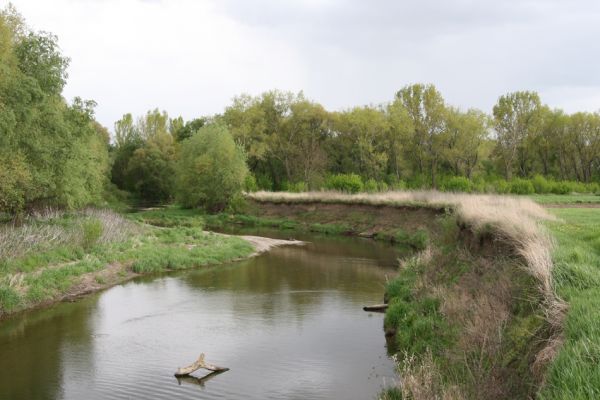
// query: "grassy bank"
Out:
[56,255]
[575,374]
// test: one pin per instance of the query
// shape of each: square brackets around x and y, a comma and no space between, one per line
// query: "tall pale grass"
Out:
[44,230]
[516,220]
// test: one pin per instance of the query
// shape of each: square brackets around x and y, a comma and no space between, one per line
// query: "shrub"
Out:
[211,169]
[561,188]
[521,186]
[458,184]
[371,186]
[541,185]
[349,183]
[501,186]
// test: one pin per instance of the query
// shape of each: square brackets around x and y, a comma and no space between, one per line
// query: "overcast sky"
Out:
[190,57]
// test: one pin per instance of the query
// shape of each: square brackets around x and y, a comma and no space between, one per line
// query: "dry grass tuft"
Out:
[421,380]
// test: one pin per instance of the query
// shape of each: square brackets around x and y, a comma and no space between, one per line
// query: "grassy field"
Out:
[55,255]
[575,373]
[565,198]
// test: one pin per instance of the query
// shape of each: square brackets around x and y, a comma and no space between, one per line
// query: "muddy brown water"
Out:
[288,323]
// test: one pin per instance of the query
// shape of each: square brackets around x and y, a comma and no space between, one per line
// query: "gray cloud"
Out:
[190,57]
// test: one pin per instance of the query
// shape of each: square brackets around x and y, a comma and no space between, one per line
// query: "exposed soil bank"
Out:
[464,311]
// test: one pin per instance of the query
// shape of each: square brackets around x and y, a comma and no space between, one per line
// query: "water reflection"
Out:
[289,324]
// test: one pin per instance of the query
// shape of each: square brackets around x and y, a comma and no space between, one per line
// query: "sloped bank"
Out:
[474,313]
[57,256]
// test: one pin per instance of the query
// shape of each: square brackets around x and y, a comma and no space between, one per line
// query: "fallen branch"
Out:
[376,308]
[199,363]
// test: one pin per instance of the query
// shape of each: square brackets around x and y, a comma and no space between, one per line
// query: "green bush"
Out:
[371,186]
[562,187]
[349,183]
[92,231]
[521,186]
[541,184]
[458,184]
[211,169]
[501,186]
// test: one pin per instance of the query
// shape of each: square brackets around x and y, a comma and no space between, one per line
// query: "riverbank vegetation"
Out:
[56,255]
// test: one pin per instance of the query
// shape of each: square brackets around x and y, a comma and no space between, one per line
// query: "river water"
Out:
[289,324]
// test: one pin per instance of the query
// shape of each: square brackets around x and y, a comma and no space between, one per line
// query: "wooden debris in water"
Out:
[376,307]
[199,363]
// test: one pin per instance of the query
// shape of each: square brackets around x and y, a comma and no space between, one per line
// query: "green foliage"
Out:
[92,231]
[52,152]
[457,184]
[541,184]
[371,186]
[14,183]
[521,186]
[250,184]
[211,170]
[349,183]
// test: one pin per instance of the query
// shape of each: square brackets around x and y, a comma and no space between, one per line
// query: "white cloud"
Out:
[190,57]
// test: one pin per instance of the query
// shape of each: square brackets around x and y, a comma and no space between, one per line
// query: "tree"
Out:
[52,150]
[360,134]
[427,111]
[306,129]
[211,169]
[516,116]
[151,168]
[466,134]
[181,130]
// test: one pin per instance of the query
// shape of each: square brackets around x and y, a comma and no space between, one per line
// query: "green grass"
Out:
[575,373]
[45,274]
[565,198]
[418,240]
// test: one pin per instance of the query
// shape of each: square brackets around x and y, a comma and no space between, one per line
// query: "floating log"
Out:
[199,363]
[376,308]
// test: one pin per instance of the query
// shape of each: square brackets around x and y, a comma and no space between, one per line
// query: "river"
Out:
[289,324]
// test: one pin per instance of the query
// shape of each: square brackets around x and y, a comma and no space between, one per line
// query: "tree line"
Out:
[53,152]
